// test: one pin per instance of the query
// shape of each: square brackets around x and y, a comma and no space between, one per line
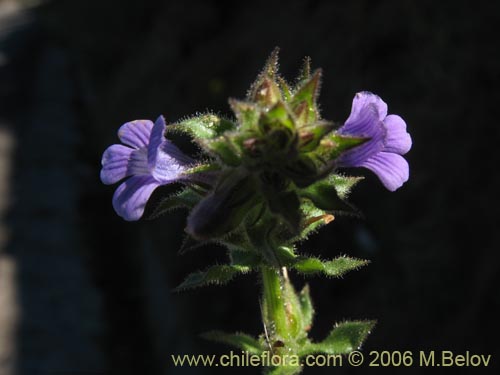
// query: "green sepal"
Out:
[303,171]
[285,88]
[305,71]
[201,168]
[267,93]
[247,114]
[278,116]
[308,92]
[222,148]
[311,135]
[269,71]
[207,126]
[186,198]
[325,196]
[239,340]
[334,144]
[343,339]
[218,275]
[333,268]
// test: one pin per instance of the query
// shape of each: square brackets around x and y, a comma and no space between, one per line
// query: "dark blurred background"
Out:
[83,292]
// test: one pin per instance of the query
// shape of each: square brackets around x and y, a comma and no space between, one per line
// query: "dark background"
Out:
[94,292]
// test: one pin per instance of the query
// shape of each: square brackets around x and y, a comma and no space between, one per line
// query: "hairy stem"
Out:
[274,313]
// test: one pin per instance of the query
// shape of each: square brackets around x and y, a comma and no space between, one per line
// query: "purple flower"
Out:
[388,140]
[148,159]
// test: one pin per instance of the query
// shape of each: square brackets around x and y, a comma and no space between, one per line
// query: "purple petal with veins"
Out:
[388,140]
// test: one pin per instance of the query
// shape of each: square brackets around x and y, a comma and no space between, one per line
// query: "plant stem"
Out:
[274,313]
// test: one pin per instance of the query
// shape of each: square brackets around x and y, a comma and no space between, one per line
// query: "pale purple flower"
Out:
[388,140]
[148,159]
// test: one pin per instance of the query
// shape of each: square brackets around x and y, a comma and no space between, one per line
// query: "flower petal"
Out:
[155,140]
[397,139]
[165,160]
[135,133]
[170,163]
[131,196]
[120,161]
[115,163]
[391,169]
[366,109]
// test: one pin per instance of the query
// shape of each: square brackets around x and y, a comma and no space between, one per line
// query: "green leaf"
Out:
[334,268]
[325,196]
[207,126]
[285,255]
[312,219]
[244,258]
[306,308]
[186,198]
[239,340]
[343,339]
[189,244]
[344,184]
[218,275]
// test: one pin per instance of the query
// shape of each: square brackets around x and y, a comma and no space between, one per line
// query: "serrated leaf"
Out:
[334,268]
[239,340]
[186,198]
[244,258]
[207,126]
[344,338]
[344,184]
[312,219]
[218,275]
